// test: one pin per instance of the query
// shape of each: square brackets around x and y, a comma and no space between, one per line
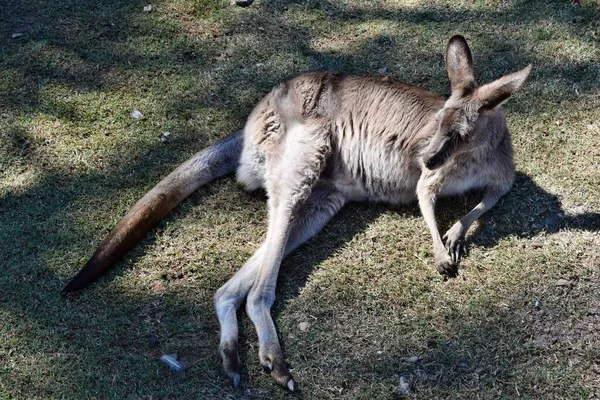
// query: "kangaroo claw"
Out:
[455,244]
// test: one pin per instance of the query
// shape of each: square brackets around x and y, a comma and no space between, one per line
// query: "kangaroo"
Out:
[321,140]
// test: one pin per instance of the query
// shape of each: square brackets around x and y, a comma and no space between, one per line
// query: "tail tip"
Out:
[71,287]
[65,291]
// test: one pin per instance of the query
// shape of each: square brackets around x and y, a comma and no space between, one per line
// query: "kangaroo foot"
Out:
[273,362]
[231,362]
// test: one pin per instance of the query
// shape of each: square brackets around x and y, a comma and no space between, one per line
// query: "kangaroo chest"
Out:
[375,174]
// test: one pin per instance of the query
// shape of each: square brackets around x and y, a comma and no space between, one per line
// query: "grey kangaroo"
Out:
[321,140]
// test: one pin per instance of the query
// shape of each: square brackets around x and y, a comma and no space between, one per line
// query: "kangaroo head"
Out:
[467,103]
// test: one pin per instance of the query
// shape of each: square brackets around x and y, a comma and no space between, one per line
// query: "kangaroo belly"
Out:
[375,173]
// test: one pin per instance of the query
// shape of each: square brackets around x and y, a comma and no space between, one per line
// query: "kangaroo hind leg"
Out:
[313,215]
[290,178]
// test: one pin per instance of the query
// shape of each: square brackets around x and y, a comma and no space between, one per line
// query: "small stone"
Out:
[137,114]
[379,352]
[16,35]
[259,65]
[565,283]
[303,326]
[405,385]
[538,305]
[414,359]
[148,8]
[382,70]
[537,245]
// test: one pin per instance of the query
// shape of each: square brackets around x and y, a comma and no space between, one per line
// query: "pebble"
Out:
[137,114]
[405,386]
[565,283]
[303,326]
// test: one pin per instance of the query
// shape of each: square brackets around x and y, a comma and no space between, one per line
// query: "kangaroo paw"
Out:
[446,266]
[455,243]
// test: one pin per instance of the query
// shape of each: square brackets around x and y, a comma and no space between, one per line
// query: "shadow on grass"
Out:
[525,212]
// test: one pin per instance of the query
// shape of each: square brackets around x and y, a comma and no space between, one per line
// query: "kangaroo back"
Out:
[213,162]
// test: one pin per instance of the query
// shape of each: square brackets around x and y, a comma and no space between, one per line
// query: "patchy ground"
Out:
[362,313]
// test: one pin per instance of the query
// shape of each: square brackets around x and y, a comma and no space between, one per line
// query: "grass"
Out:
[72,161]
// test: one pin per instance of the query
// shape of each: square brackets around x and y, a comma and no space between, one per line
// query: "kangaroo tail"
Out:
[213,162]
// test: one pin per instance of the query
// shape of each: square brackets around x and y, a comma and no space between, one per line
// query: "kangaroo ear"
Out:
[459,64]
[494,93]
